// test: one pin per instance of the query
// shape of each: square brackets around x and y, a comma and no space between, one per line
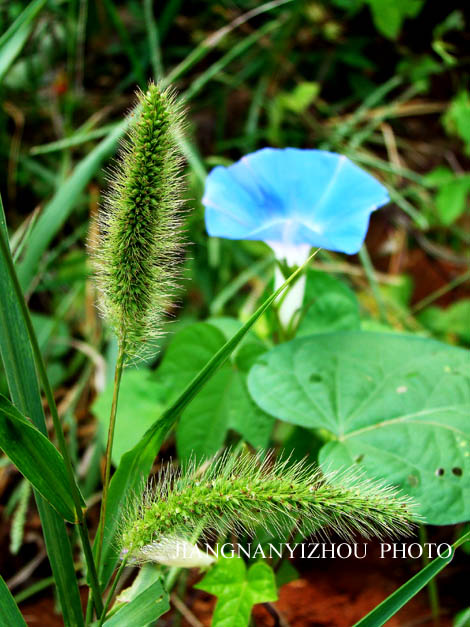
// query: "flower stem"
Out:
[289,305]
[109,446]
[112,591]
[433,591]
[370,274]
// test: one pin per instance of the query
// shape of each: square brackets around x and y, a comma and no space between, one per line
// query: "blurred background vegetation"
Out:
[382,81]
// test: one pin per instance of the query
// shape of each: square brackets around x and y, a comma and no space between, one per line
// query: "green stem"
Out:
[370,274]
[109,446]
[433,592]
[153,40]
[430,298]
[41,368]
[112,591]
[126,41]
[89,612]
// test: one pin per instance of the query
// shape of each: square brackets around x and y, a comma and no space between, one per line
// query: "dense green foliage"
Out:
[373,371]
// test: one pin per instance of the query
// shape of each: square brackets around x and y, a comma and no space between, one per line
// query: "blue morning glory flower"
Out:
[293,199]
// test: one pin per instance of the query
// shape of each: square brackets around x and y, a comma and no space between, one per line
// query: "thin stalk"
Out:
[370,274]
[126,41]
[433,591]
[109,446]
[153,40]
[112,591]
[440,292]
[41,368]
[89,611]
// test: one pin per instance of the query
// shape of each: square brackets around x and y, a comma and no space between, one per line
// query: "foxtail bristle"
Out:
[234,494]
[139,252]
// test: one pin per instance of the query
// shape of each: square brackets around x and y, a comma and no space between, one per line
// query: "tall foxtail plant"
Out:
[139,250]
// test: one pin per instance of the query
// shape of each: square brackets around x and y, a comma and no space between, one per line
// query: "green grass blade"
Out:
[20,371]
[235,51]
[78,138]
[462,619]
[153,40]
[392,604]
[219,302]
[388,608]
[136,464]
[214,39]
[11,615]
[373,99]
[56,212]
[36,458]
[121,30]
[13,40]
[144,609]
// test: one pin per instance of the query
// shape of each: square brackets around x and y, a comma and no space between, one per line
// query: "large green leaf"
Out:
[20,370]
[36,458]
[396,405]
[145,608]
[10,615]
[223,404]
[238,589]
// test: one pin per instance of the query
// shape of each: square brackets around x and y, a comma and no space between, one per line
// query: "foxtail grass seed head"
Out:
[234,494]
[139,253]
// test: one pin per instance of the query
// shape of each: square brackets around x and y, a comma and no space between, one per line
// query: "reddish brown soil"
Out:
[329,593]
[337,593]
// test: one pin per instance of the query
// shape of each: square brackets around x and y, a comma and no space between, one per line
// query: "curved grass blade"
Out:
[20,371]
[13,40]
[392,604]
[11,615]
[36,458]
[136,464]
[144,609]
[56,212]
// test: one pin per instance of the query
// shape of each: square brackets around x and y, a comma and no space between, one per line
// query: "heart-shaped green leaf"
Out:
[397,405]
[238,589]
